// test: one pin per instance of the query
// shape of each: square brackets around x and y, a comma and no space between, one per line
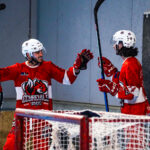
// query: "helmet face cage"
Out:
[127,38]
[31,46]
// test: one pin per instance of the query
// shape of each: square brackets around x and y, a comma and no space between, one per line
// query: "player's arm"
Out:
[115,87]
[69,76]
[134,83]
[119,90]
[127,87]
[61,75]
[9,73]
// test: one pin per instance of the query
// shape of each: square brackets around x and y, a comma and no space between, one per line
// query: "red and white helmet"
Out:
[126,37]
[30,46]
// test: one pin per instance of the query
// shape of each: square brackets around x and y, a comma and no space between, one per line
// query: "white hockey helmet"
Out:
[30,46]
[126,37]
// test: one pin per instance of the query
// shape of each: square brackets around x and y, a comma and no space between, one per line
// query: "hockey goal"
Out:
[75,130]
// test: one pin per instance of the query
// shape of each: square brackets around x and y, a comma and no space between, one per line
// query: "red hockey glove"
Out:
[109,68]
[82,59]
[107,86]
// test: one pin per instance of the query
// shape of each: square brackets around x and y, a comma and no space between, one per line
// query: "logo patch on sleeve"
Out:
[24,73]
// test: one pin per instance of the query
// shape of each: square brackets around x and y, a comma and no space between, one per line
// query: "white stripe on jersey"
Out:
[19,93]
[66,79]
[50,92]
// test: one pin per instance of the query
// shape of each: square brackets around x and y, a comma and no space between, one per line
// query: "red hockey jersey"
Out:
[131,89]
[33,84]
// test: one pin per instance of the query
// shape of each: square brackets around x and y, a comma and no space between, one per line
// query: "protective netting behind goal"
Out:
[115,131]
[69,130]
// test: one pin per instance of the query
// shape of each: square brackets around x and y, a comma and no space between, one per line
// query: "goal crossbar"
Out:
[45,115]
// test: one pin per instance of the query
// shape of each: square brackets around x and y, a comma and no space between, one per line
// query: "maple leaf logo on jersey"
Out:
[34,87]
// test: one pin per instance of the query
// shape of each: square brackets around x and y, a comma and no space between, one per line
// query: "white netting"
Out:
[113,131]
[110,131]
[50,135]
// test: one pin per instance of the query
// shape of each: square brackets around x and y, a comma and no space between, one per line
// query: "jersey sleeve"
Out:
[61,75]
[130,83]
[9,73]
[123,92]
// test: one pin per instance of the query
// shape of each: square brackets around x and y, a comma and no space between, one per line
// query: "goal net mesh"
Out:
[114,131]
[45,134]
[107,131]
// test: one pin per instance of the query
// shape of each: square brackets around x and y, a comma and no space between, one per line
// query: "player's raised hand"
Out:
[109,68]
[82,59]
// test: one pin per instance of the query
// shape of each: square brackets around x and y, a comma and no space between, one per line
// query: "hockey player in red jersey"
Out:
[127,84]
[32,79]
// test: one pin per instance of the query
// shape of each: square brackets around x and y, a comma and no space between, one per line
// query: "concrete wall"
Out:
[65,27]
[14,22]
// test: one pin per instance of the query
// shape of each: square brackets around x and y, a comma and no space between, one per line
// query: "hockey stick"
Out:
[97,5]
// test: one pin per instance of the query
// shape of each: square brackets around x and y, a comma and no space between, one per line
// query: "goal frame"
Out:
[76,119]
[130,131]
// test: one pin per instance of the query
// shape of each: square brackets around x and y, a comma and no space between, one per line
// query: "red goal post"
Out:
[24,125]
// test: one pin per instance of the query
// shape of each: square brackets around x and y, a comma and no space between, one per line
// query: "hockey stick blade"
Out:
[96,8]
